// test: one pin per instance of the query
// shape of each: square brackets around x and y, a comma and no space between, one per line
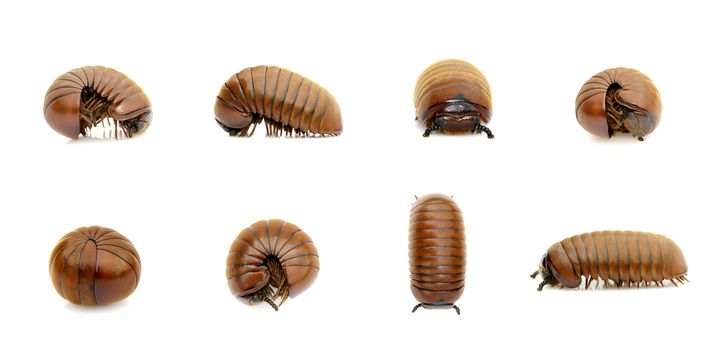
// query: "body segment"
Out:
[437,252]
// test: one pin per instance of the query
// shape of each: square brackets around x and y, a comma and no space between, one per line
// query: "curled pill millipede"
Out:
[269,260]
[453,97]
[87,98]
[625,258]
[286,102]
[619,100]
[94,266]
[436,252]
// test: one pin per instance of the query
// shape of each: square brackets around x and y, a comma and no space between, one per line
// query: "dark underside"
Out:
[622,119]
[94,112]
[276,288]
[273,128]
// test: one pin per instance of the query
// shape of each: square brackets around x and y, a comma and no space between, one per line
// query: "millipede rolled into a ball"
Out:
[453,97]
[619,100]
[96,102]
[94,266]
[270,260]
[287,103]
[436,252]
[621,258]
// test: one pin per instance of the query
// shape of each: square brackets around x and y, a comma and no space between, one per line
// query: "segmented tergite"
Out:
[287,103]
[453,97]
[96,102]
[623,258]
[619,100]
[270,260]
[94,266]
[436,252]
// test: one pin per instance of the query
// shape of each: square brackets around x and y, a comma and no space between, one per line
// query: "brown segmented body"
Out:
[287,102]
[94,266]
[436,252]
[271,259]
[453,96]
[87,97]
[619,100]
[624,258]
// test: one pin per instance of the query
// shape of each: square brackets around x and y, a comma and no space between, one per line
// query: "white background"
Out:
[183,190]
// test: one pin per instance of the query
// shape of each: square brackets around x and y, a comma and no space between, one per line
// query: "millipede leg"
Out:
[85,119]
[482,128]
[541,285]
[254,120]
[431,128]
[416,307]
[531,275]
[457,309]
[270,302]
[674,282]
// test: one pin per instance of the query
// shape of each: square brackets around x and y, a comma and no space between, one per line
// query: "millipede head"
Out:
[545,272]
[139,125]
[458,117]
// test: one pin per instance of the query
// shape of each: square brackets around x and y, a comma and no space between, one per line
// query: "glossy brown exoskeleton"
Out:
[94,266]
[624,258]
[96,102]
[436,252]
[619,100]
[453,97]
[288,104]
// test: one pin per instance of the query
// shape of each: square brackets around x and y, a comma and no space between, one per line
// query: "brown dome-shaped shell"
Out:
[437,253]
[87,97]
[286,101]
[619,100]
[94,266]
[448,80]
[271,259]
